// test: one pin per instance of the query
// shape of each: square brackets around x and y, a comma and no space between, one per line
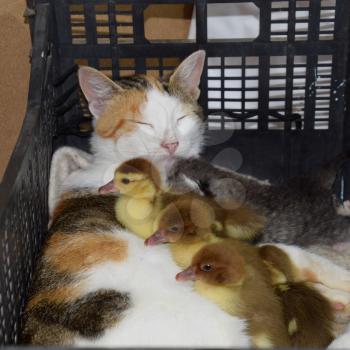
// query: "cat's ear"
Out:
[97,88]
[187,76]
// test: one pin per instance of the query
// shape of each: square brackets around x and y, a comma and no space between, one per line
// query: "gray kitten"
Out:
[300,211]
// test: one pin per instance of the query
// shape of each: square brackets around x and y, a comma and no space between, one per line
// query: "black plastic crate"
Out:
[287,115]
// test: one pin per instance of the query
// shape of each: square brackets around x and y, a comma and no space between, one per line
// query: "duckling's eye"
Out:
[206,267]
[125,181]
[174,229]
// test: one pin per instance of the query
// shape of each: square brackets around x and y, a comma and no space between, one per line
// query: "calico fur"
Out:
[58,309]
[98,285]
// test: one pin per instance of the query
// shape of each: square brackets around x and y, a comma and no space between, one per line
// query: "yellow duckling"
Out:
[140,198]
[192,221]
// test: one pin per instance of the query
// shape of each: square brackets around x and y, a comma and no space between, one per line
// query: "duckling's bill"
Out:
[187,275]
[158,237]
[107,188]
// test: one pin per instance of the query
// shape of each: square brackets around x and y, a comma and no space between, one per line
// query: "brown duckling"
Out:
[192,221]
[232,275]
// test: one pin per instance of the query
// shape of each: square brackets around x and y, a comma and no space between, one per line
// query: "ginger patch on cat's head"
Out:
[122,114]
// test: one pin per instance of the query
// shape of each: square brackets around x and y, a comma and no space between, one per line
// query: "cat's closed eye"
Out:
[181,118]
[141,123]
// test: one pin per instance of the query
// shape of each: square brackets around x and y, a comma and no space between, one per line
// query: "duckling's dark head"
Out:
[138,178]
[217,264]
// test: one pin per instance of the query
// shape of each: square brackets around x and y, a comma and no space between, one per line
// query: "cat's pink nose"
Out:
[171,147]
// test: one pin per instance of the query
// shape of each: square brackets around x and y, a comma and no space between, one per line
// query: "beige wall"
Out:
[167,21]
[14,73]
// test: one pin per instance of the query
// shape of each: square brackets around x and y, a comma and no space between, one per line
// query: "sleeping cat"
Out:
[135,117]
[98,285]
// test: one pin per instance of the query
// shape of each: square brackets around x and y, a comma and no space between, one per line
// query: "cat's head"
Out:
[143,116]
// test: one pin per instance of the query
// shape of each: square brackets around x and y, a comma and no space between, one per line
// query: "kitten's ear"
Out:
[97,88]
[188,75]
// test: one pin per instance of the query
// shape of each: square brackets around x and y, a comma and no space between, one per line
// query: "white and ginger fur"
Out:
[165,118]
[163,312]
